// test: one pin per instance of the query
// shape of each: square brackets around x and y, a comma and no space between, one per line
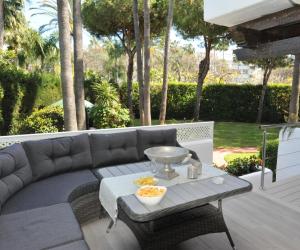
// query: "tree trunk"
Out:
[203,70]
[129,83]
[163,107]
[1,24]
[78,65]
[267,73]
[70,122]
[139,59]
[294,102]
[147,100]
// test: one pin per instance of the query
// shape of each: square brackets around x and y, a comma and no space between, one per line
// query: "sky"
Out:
[36,21]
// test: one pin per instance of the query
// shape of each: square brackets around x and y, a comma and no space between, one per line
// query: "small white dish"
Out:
[218,180]
[153,200]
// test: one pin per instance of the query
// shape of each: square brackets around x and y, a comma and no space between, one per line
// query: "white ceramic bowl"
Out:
[151,201]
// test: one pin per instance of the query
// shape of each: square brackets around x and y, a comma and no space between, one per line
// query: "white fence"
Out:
[196,136]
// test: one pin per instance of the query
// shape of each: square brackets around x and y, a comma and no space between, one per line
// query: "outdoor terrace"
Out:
[255,221]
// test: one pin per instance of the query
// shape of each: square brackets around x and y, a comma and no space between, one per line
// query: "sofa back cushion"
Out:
[15,171]
[112,149]
[53,156]
[155,138]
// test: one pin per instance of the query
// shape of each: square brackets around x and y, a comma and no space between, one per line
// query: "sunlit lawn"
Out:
[235,134]
[233,156]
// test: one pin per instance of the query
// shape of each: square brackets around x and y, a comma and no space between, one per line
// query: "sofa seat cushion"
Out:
[112,149]
[15,172]
[59,155]
[39,228]
[154,138]
[53,190]
[76,245]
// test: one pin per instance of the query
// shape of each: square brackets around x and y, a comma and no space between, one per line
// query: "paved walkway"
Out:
[220,153]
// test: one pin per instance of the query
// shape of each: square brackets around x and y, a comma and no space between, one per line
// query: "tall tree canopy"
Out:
[114,18]
[189,21]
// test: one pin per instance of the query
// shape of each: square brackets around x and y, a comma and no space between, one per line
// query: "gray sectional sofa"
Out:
[49,187]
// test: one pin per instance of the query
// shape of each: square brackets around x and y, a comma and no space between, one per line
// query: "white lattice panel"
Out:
[194,133]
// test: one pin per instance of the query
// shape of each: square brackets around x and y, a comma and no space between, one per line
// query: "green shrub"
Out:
[243,165]
[108,111]
[46,120]
[220,102]
[271,155]
[91,78]
[49,90]
[19,92]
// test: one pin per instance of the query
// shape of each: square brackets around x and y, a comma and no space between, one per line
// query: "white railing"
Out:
[196,136]
[288,155]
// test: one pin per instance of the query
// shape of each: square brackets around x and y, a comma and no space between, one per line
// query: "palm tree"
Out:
[163,107]
[49,8]
[11,17]
[70,122]
[294,102]
[1,24]
[147,100]
[139,59]
[78,65]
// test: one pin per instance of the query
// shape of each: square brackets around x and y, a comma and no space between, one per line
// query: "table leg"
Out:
[226,229]
[111,223]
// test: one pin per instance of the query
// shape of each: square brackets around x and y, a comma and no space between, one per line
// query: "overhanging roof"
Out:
[234,12]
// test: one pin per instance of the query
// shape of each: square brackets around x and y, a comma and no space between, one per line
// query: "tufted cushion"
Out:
[59,155]
[15,171]
[154,138]
[112,149]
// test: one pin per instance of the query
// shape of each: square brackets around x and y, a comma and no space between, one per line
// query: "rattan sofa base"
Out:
[86,207]
[166,232]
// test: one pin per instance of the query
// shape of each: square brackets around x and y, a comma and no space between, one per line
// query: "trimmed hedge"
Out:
[220,102]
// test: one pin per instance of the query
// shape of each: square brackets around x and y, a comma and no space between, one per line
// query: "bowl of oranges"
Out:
[151,195]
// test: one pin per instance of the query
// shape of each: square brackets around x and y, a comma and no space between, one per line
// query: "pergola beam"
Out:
[281,18]
[270,50]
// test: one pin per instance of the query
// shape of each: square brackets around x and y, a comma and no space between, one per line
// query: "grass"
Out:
[137,122]
[232,134]
[233,156]
[235,134]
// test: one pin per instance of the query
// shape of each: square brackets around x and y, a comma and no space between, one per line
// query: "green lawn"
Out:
[137,122]
[235,134]
[233,156]
[232,134]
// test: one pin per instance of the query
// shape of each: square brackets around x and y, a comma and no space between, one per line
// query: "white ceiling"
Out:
[233,12]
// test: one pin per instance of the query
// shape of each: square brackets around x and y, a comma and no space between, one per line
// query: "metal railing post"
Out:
[264,151]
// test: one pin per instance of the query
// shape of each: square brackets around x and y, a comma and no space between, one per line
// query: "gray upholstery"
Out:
[39,228]
[154,138]
[53,190]
[15,172]
[112,149]
[76,245]
[59,155]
